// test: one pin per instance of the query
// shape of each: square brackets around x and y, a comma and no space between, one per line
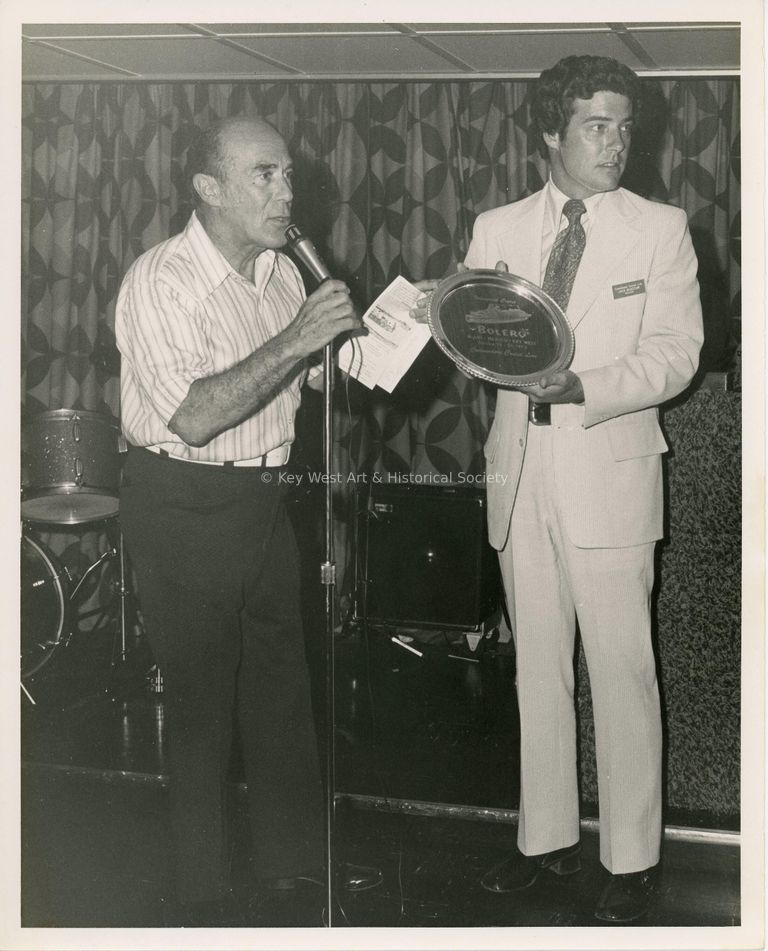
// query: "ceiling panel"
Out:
[290,29]
[104,29]
[42,62]
[165,56]
[520,52]
[717,48]
[234,51]
[438,28]
[381,55]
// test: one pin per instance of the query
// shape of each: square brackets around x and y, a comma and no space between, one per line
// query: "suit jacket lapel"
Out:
[615,233]
[520,247]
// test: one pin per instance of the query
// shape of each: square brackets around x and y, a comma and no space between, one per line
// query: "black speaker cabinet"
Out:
[425,559]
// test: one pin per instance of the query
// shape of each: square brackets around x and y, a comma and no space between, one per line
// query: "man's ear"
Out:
[207,187]
[551,140]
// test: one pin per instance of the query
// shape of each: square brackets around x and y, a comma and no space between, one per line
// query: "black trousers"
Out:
[218,581]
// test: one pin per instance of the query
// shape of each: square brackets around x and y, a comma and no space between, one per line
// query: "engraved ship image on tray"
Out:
[498,312]
[499,327]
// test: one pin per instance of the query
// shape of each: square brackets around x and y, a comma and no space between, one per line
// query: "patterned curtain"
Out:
[390,179]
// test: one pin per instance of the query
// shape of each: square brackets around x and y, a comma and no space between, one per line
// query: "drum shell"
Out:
[44,605]
[72,467]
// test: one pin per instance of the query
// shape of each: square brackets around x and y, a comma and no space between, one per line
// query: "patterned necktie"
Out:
[566,254]
[559,277]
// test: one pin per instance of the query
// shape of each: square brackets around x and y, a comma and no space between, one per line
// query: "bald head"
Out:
[243,182]
[212,154]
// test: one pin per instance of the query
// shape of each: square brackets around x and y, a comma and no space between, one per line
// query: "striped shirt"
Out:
[184,313]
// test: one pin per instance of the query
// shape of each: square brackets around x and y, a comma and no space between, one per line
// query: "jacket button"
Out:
[520,442]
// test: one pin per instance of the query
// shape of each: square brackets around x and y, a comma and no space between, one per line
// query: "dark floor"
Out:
[96,855]
[437,730]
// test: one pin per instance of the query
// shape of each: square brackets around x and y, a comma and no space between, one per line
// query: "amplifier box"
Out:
[424,558]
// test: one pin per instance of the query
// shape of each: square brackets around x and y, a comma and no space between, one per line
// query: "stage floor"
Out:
[438,730]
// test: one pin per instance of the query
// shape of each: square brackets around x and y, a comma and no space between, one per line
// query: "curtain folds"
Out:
[390,177]
[389,180]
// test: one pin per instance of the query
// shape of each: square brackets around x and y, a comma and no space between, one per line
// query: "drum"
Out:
[43,605]
[72,467]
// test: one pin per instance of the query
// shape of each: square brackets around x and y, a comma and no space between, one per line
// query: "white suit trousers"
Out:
[549,583]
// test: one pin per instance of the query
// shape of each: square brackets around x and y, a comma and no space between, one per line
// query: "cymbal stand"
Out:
[120,587]
[110,553]
[121,592]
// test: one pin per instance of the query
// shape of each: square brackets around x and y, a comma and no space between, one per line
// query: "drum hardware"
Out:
[71,467]
[120,589]
[155,679]
[51,588]
[70,476]
[122,593]
[45,599]
[110,553]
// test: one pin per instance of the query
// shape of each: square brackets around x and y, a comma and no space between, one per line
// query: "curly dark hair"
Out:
[578,77]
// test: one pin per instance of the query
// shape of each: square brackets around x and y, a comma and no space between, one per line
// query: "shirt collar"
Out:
[263,267]
[211,265]
[213,268]
[555,200]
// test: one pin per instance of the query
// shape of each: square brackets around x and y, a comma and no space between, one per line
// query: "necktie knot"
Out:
[573,209]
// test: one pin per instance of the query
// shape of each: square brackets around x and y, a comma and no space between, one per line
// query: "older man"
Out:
[216,336]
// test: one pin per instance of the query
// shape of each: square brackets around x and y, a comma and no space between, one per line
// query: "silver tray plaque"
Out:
[500,327]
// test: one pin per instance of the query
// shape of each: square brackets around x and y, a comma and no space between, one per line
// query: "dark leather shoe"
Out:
[520,871]
[627,897]
[358,878]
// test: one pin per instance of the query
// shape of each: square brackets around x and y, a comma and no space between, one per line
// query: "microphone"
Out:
[306,252]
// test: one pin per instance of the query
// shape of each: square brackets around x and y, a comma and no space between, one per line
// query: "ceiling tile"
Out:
[258,29]
[38,62]
[382,55]
[50,30]
[692,49]
[179,50]
[478,28]
[518,53]
[147,57]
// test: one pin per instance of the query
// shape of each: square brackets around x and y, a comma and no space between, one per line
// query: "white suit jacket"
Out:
[636,315]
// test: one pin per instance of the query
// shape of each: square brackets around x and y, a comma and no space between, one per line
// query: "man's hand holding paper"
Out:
[393,339]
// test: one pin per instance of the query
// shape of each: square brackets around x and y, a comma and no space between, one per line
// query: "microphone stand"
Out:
[307,254]
[328,579]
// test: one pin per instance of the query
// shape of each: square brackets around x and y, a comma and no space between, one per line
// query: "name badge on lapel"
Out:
[629,289]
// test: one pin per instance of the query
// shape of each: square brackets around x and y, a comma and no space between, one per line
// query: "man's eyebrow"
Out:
[270,166]
[608,119]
